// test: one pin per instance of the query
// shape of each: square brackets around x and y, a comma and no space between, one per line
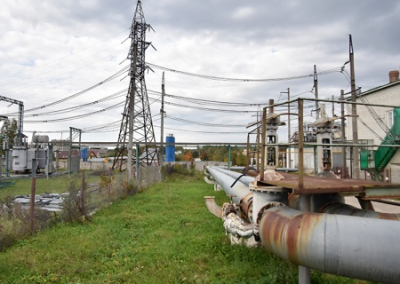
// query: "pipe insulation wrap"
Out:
[235,225]
[355,247]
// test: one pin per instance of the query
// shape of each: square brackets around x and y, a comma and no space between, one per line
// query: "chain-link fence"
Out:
[30,204]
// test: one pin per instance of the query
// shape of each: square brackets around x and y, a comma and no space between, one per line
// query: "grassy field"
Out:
[54,184]
[162,235]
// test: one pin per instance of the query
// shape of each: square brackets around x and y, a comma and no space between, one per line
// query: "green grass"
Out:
[54,184]
[162,235]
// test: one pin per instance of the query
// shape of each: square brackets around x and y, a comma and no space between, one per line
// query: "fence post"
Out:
[33,193]
[109,185]
[82,199]
[32,208]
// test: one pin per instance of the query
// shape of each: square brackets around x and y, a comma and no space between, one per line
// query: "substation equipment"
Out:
[26,157]
[304,219]
[33,157]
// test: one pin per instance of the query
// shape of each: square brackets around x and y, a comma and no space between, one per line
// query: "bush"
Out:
[74,205]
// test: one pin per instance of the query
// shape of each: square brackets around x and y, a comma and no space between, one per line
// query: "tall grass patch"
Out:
[162,235]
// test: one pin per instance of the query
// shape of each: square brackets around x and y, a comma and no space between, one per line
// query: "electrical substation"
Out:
[290,196]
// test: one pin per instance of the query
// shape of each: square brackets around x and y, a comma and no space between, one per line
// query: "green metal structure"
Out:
[375,161]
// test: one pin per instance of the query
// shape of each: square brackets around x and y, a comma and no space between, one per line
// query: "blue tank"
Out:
[84,154]
[170,148]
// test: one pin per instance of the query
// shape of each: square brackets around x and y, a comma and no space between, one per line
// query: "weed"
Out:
[74,204]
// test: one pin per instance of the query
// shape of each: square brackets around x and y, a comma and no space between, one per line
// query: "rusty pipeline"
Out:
[246,207]
[334,204]
[346,209]
[362,248]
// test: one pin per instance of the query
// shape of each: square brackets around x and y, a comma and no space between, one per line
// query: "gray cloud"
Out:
[52,49]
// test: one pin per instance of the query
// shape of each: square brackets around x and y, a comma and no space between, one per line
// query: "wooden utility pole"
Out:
[356,162]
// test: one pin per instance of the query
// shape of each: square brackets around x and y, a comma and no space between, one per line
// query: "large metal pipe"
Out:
[233,187]
[362,248]
[237,186]
[244,179]
[335,204]
[346,209]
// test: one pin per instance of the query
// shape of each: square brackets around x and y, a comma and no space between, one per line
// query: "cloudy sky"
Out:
[58,55]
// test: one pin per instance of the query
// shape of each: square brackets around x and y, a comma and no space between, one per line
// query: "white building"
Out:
[374,123]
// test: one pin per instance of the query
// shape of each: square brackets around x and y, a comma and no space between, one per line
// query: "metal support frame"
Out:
[72,131]
[137,106]
[20,117]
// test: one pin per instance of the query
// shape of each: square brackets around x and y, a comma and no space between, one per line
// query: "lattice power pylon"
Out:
[137,107]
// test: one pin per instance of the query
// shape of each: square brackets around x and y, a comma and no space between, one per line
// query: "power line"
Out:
[117,74]
[199,131]
[206,109]
[70,109]
[209,77]
[204,123]
[76,116]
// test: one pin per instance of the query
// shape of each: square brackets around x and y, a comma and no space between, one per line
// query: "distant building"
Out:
[374,123]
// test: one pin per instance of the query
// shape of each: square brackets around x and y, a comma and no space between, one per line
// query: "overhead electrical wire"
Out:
[76,116]
[376,117]
[214,102]
[115,75]
[111,125]
[212,109]
[216,78]
[102,126]
[191,100]
[203,108]
[199,131]
[204,123]
[204,101]
[66,110]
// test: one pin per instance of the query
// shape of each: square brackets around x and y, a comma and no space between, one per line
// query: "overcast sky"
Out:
[51,50]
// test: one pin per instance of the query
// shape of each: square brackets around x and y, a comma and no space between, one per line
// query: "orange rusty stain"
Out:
[246,203]
[287,235]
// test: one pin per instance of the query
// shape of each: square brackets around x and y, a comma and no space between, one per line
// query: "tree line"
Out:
[212,153]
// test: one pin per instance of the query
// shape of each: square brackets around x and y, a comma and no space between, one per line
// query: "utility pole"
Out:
[288,158]
[289,151]
[162,119]
[344,171]
[316,91]
[356,163]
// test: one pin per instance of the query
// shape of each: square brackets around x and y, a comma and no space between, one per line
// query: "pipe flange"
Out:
[265,208]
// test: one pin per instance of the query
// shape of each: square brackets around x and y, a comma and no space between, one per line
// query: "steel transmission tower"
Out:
[136,124]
